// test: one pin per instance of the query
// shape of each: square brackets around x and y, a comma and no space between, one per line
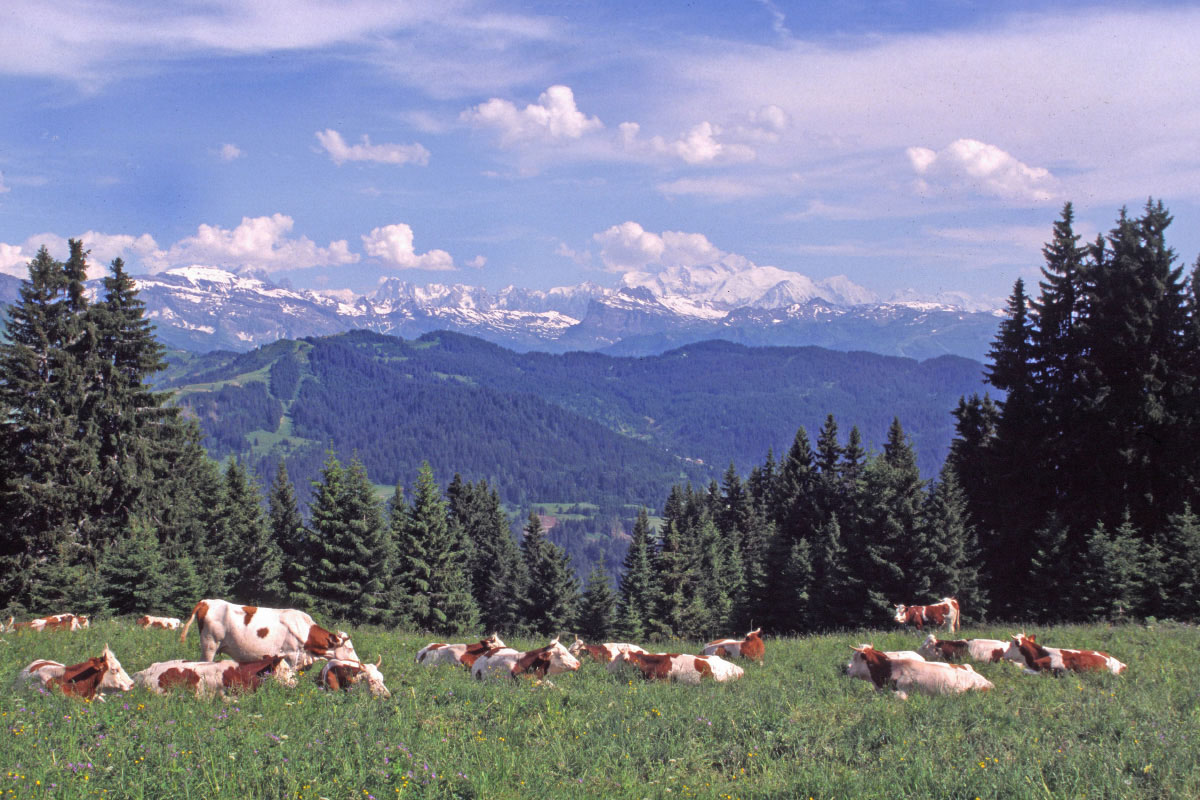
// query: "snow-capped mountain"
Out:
[202,308]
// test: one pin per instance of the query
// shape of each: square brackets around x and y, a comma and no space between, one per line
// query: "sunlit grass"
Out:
[793,727]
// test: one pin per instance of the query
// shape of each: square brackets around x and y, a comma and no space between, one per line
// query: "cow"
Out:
[906,675]
[601,653]
[982,650]
[55,622]
[250,633]
[507,662]
[90,679]
[461,654]
[1035,658]
[165,623]
[341,675]
[751,647]
[681,667]
[205,678]
[944,613]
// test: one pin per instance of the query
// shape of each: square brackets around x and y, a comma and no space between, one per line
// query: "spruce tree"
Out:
[289,534]
[597,607]
[1179,546]
[951,548]
[256,560]
[637,595]
[495,566]
[552,595]
[133,574]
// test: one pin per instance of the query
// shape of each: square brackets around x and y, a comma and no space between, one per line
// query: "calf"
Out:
[55,622]
[682,668]
[461,654]
[983,650]
[945,613]
[602,653]
[1034,657]
[89,679]
[165,623]
[338,674]
[505,661]
[750,647]
[214,677]
[906,675]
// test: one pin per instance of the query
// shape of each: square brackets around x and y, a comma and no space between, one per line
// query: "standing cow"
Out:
[250,633]
[946,613]
[89,679]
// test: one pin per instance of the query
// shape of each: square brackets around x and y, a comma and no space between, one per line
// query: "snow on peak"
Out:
[198,272]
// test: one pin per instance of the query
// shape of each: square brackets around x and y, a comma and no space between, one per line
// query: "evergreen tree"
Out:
[256,560]
[133,573]
[289,535]
[496,570]
[832,583]
[597,608]
[637,595]
[1179,545]
[1113,585]
[552,595]
[951,548]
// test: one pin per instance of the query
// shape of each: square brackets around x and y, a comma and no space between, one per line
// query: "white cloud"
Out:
[14,260]
[478,262]
[102,248]
[554,117]
[704,143]
[258,243]
[629,247]
[341,152]
[393,244]
[230,152]
[974,165]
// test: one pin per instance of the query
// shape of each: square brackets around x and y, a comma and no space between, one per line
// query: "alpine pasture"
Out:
[794,726]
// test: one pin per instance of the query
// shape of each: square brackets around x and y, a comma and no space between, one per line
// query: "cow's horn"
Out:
[379,661]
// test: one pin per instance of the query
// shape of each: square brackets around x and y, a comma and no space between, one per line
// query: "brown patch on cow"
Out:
[878,665]
[958,666]
[57,624]
[142,622]
[598,653]
[342,676]
[703,667]
[82,679]
[250,612]
[1036,657]
[997,655]
[535,661]
[37,665]
[249,676]
[474,651]
[721,651]
[952,650]
[1084,660]
[753,647]
[654,666]
[176,678]
[262,632]
[320,642]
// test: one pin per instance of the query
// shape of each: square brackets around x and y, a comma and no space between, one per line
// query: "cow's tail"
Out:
[187,626]
[955,614]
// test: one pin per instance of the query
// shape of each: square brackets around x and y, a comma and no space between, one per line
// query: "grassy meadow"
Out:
[792,727]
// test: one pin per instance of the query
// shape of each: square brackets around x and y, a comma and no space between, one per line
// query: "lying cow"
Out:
[906,675]
[460,654]
[751,647]
[602,653]
[682,668]
[165,623]
[250,633]
[507,662]
[55,622]
[945,613]
[1034,657]
[983,650]
[90,679]
[206,678]
[341,675]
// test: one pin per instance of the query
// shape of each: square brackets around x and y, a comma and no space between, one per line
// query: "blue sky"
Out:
[906,145]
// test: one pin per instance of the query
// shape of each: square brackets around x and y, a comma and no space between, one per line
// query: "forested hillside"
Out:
[579,427]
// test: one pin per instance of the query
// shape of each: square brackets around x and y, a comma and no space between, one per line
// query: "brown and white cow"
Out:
[341,675]
[214,677]
[507,662]
[906,675]
[944,613]
[682,667]
[982,650]
[165,623]
[460,654]
[250,633]
[602,653]
[750,647]
[54,622]
[1034,657]
[89,679]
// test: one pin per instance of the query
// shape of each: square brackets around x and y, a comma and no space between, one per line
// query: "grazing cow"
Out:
[460,654]
[166,623]
[507,662]
[681,667]
[944,613]
[1034,657]
[214,677]
[751,647]
[341,675]
[55,622]
[906,675]
[984,650]
[90,679]
[602,653]
[250,633]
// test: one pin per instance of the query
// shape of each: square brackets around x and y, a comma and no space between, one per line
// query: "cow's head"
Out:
[84,622]
[577,647]
[492,641]
[929,648]
[871,665]
[115,678]
[374,678]
[549,660]
[282,672]
[1025,650]
[901,613]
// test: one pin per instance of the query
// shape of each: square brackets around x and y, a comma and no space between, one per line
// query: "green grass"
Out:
[792,727]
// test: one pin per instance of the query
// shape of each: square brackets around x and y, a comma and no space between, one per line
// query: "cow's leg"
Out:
[209,649]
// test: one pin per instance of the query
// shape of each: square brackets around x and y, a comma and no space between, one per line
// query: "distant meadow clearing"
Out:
[792,727]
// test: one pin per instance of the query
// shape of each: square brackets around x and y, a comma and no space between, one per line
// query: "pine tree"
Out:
[951,547]
[256,561]
[552,595]
[597,608]
[1179,546]
[496,569]
[289,534]
[1113,585]
[636,588]
[832,582]
[132,574]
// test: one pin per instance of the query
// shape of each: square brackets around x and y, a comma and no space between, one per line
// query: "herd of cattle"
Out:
[272,644]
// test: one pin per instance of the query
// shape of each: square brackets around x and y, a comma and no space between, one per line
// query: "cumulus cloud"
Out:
[258,244]
[341,152]
[554,117]
[101,248]
[974,165]
[393,245]
[230,152]
[704,143]
[629,247]
[14,260]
